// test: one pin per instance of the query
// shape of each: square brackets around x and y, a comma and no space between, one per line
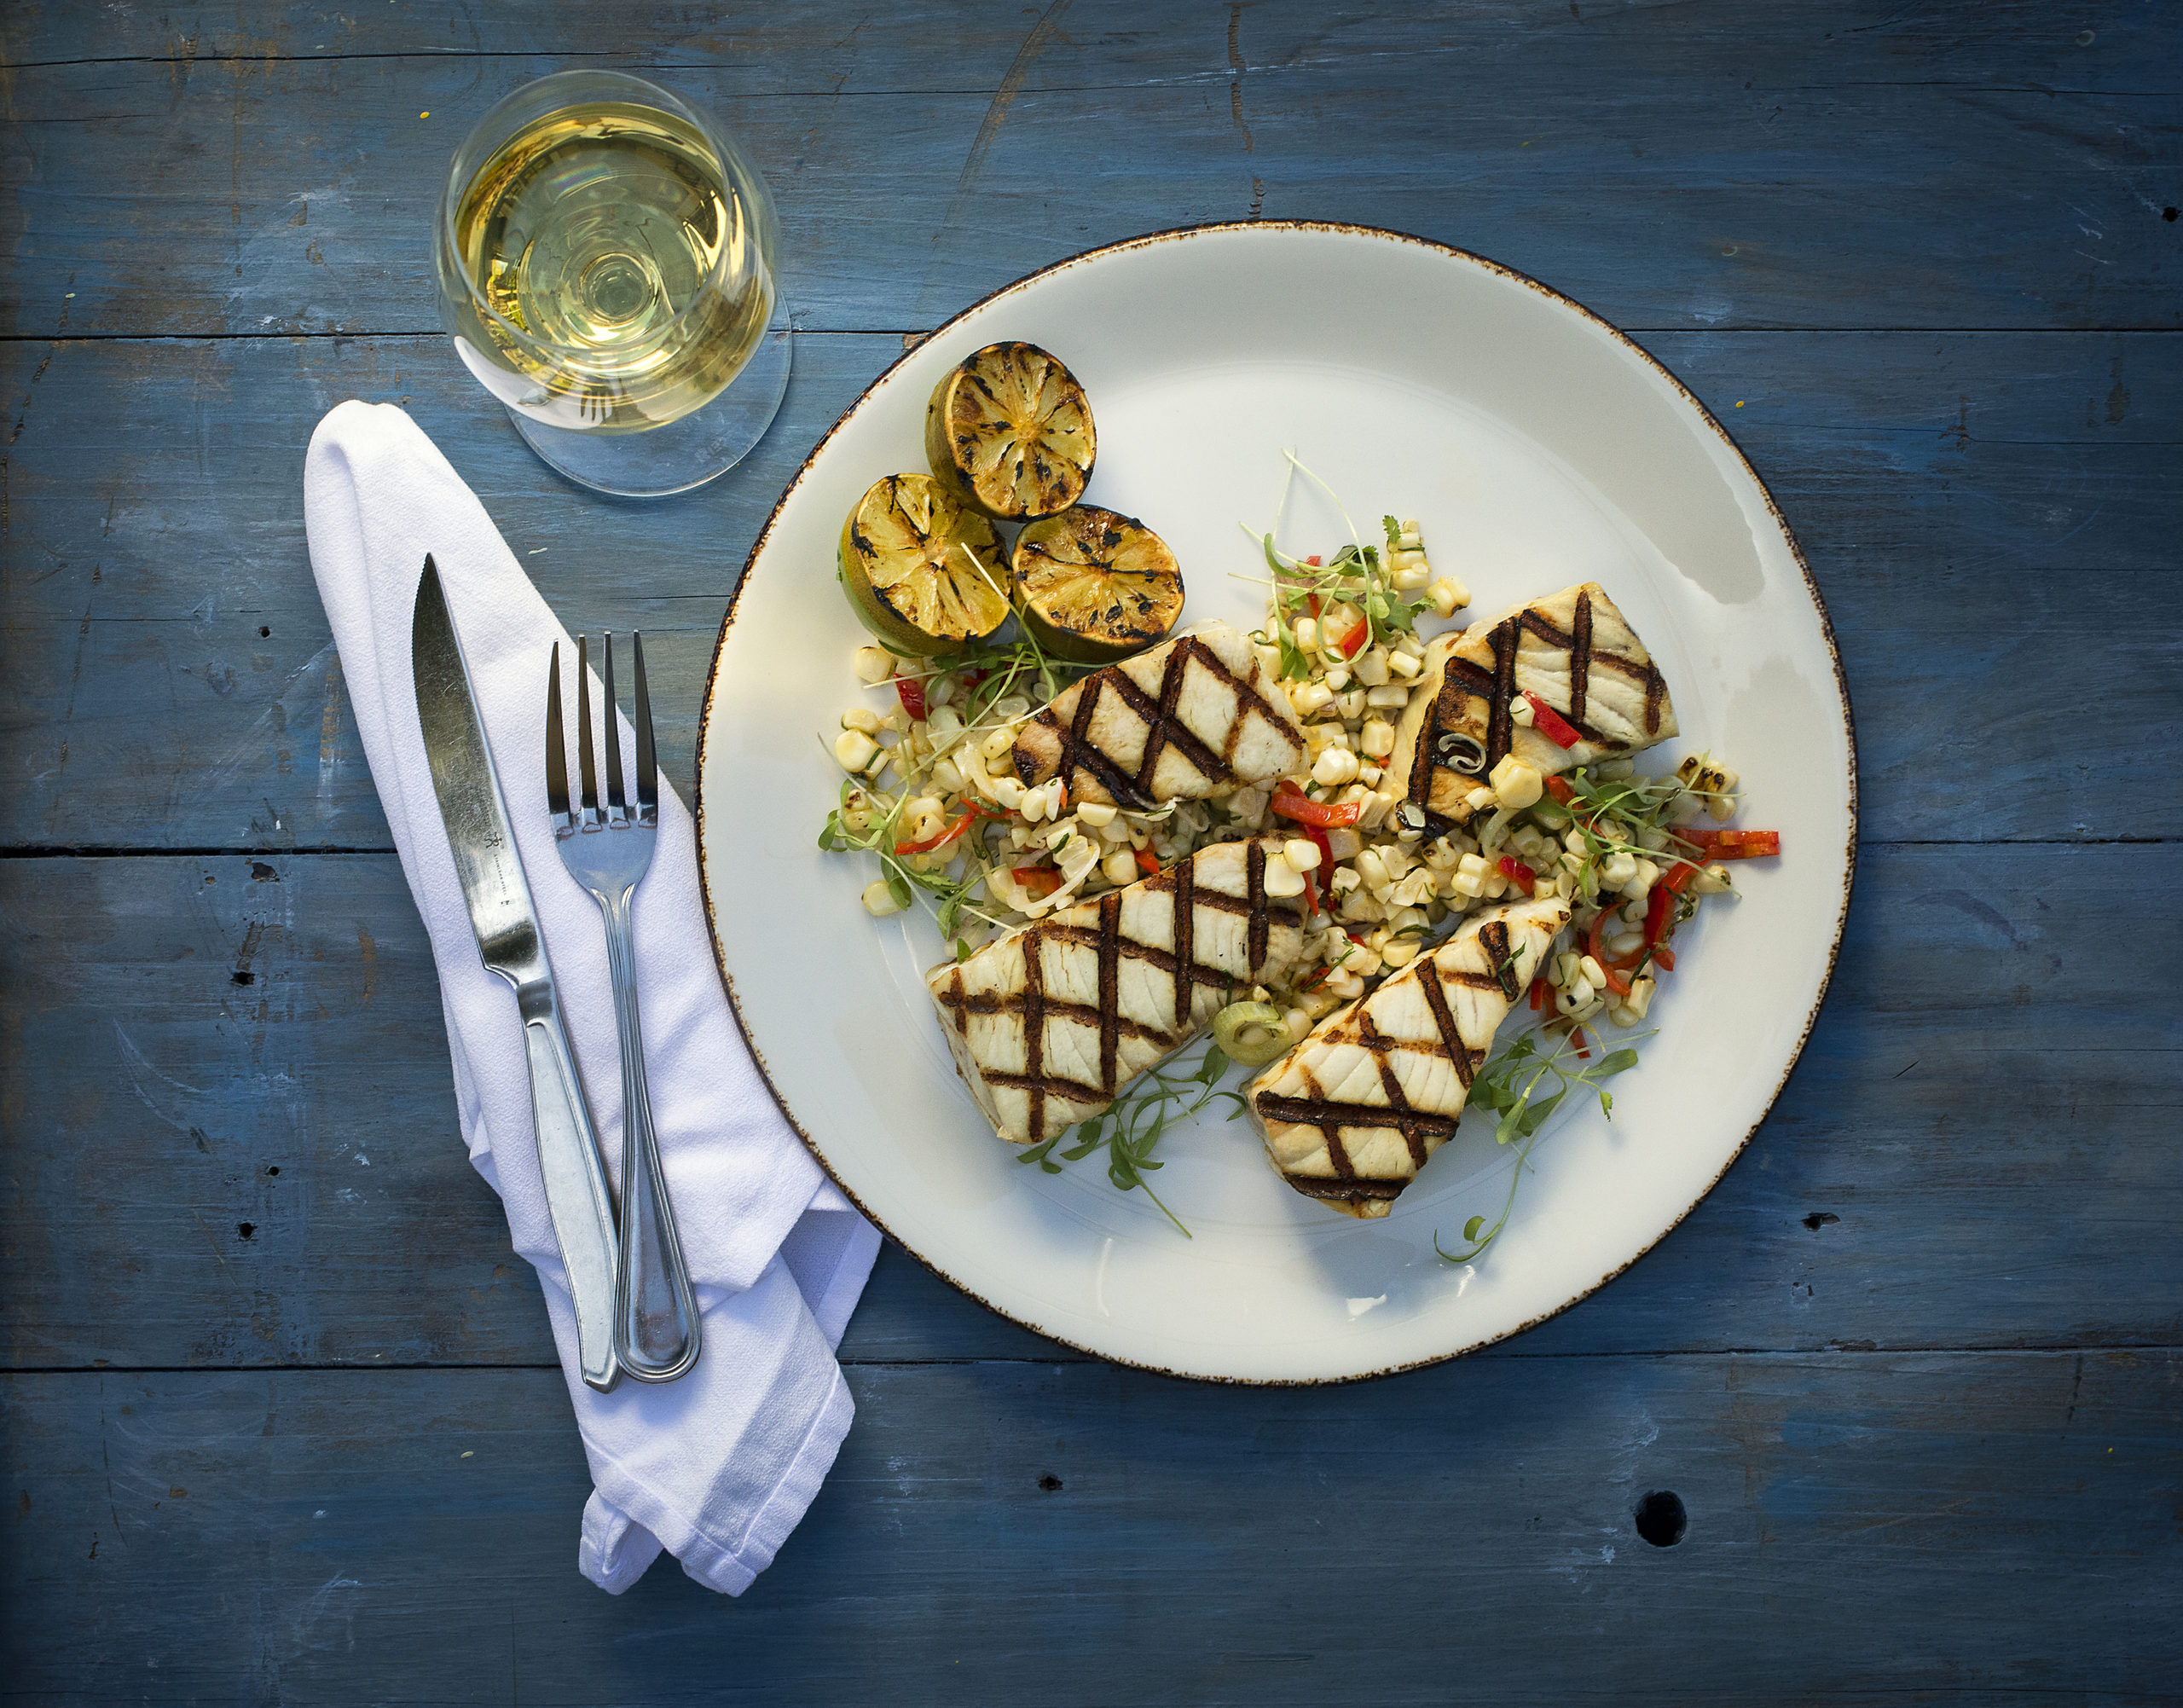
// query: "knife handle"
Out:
[576,1195]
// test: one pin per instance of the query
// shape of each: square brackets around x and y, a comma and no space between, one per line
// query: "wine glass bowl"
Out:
[606,260]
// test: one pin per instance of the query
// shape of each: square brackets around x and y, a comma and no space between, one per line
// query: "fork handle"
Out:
[656,1332]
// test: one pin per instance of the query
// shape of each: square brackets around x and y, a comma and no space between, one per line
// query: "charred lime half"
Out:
[923,571]
[1009,431]
[1093,587]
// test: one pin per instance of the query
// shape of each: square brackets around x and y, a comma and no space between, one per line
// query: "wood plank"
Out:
[1672,167]
[1860,1529]
[1976,1151]
[1978,508]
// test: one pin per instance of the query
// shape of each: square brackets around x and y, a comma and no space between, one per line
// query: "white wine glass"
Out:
[608,268]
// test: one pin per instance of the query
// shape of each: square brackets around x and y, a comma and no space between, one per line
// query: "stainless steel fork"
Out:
[656,1325]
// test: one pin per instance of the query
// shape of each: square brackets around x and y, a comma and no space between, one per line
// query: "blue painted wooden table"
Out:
[282,1422]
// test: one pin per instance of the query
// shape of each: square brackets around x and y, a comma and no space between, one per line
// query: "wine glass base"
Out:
[703,445]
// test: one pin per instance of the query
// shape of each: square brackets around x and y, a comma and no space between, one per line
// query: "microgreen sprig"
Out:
[1509,1084]
[1134,1122]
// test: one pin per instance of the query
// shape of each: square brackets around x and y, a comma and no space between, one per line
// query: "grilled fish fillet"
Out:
[1050,1024]
[1351,1114]
[1194,715]
[1572,650]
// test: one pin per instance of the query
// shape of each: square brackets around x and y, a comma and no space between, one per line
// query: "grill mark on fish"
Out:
[1493,938]
[1185,932]
[1444,1020]
[1499,723]
[1355,1186]
[1034,1034]
[1163,729]
[1079,752]
[1110,960]
[1043,1086]
[1379,1043]
[1327,1116]
[1131,950]
[1330,1131]
[1580,658]
[1254,939]
[1056,1008]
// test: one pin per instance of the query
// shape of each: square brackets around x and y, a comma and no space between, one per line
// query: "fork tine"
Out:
[584,762]
[647,759]
[556,752]
[617,799]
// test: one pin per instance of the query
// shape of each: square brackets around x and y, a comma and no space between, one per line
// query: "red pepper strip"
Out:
[1664,959]
[1678,880]
[1147,864]
[1560,792]
[1551,724]
[1659,919]
[912,690]
[1541,993]
[1519,874]
[1292,804]
[1311,892]
[1576,1038]
[1038,881]
[1735,844]
[1318,840]
[940,838]
[1613,969]
[1314,981]
[1313,560]
[1353,642]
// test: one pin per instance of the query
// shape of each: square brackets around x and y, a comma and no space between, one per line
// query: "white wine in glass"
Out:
[607,271]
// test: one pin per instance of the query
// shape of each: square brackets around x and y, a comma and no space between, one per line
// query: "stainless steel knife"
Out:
[508,940]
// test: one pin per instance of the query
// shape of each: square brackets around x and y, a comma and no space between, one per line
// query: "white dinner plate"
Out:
[1538,448]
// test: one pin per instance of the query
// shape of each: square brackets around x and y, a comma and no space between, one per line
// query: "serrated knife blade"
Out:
[510,943]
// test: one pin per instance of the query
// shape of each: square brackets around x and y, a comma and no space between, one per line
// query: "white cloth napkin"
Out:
[720,1466]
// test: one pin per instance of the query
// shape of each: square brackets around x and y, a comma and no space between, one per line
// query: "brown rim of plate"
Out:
[1176,234]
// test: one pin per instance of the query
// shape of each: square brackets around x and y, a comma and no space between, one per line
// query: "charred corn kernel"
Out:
[1343,881]
[945,774]
[1371,776]
[994,745]
[1370,667]
[853,748]
[1096,814]
[1307,634]
[939,691]
[1008,792]
[1334,766]
[1620,1014]
[1403,664]
[872,665]
[1344,983]
[1623,944]
[1448,595]
[1357,905]
[1594,974]
[1516,784]
[1372,869]
[1353,702]
[1568,1002]
[1573,840]
[897,720]
[1310,698]
[1270,656]
[1300,853]
[944,724]
[1641,886]
[1521,713]
[1119,867]
[1283,879]
[877,902]
[1344,844]
[1640,999]
[1390,696]
[863,718]
[1400,953]
[1337,678]
[1713,880]
[1702,775]
[1618,869]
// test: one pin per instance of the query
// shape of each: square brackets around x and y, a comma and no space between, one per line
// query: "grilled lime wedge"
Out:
[1010,432]
[923,571]
[1093,587]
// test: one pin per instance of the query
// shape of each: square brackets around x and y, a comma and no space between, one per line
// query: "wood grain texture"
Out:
[216,1173]
[1977,509]
[280,1419]
[1862,1529]
[1836,166]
